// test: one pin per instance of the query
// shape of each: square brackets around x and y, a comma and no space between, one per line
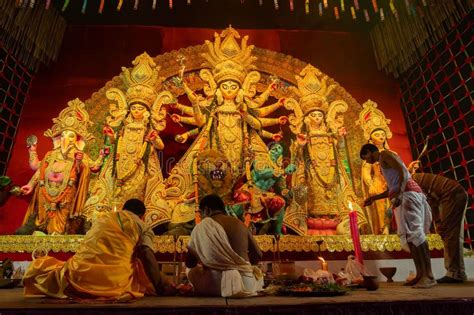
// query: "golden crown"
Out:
[228,59]
[142,81]
[312,91]
[371,119]
[74,118]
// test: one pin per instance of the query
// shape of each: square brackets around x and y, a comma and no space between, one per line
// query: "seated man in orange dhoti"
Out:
[227,252]
[114,261]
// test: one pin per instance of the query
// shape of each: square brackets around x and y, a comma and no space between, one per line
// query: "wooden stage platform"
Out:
[390,298]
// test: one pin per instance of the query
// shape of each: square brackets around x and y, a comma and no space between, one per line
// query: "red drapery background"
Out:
[92,55]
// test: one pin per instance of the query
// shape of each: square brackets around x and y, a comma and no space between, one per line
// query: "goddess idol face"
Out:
[137,111]
[314,119]
[378,137]
[229,89]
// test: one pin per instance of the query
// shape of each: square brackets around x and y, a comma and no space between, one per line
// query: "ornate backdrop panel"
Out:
[92,56]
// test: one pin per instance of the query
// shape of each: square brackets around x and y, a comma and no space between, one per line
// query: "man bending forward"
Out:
[412,213]
[226,250]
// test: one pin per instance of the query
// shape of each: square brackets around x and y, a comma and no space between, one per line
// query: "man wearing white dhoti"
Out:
[226,251]
[412,212]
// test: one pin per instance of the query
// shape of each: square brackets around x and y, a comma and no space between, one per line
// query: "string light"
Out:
[84,6]
[65,5]
[376,7]
[366,13]
[394,10]
[353,12]
[415,8]
[407,4]
[356,4]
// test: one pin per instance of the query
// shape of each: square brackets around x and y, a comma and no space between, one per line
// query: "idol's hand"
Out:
[151,136]
[32,148]
[342,131]
[301,139]
[108,131]
[175,118]
[277,137]
[181,138]
[290,169]
[283,120]
[172,105]
[104,151]
[79,156]
[27,189]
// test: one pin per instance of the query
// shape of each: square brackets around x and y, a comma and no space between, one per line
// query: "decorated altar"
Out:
[11,244]
[285,133]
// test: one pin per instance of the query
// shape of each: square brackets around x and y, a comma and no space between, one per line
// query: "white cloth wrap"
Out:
[413,218]
[210,243]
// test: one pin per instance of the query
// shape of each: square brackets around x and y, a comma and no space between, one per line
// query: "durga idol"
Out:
[228,117]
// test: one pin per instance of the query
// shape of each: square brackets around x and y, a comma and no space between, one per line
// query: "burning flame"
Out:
[324,264]
[350,206]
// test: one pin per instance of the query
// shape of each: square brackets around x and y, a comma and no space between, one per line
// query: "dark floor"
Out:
[388,299]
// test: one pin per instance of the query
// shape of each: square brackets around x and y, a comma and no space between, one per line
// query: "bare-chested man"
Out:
[412,213]
[227,252]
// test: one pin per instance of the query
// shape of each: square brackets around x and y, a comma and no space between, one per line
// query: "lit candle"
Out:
[355,233]
[324,264]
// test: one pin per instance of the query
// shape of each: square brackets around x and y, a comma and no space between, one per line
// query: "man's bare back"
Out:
[240,238]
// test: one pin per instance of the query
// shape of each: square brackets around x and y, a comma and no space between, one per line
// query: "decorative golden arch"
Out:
[269,63]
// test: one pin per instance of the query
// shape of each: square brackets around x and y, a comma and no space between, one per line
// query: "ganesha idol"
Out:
[60,183]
